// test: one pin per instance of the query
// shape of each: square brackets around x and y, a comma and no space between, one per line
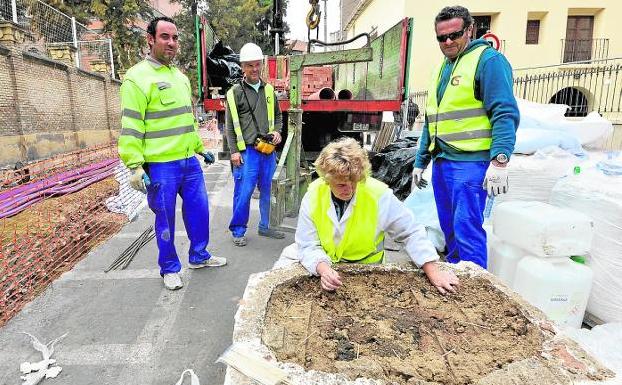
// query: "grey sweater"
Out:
[258,101]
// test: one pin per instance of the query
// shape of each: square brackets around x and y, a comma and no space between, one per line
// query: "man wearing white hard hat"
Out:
[254,125]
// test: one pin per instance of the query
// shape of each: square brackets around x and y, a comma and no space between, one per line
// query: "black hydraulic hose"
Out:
[323,43]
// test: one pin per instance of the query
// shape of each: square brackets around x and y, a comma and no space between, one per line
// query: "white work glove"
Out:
[496,180]
[137,179]
[417,179]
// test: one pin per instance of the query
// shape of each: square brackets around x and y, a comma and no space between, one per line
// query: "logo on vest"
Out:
[456,80]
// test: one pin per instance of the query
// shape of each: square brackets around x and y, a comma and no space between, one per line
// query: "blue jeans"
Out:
[168,179]
[460,201]
[257,169]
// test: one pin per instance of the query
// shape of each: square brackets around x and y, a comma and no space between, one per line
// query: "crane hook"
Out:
[313,16]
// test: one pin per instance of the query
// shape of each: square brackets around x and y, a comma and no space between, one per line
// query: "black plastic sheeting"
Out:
[394,165]
[223,67]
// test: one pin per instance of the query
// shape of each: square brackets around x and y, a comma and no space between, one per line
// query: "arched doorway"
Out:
[573,98]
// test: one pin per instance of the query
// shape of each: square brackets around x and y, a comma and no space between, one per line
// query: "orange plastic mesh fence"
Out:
[49,237]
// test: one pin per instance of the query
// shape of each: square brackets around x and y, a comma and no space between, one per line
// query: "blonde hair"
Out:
[343,158]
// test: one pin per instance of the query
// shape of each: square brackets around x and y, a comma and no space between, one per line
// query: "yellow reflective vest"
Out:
[459,119]
[157,120]
[239,138]
[359,243]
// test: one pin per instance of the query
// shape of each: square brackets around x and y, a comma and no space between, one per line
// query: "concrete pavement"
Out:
[123,327]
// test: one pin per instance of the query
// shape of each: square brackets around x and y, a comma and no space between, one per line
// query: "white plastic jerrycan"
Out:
[542,229]
[503,259]
[559,287]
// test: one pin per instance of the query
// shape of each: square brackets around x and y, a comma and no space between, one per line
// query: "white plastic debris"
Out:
[194,379]
[27,367]
[603,342]
[53,372]
[35,372]
[129,201]
[569,133]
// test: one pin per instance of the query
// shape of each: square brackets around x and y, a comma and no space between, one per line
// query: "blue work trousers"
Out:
[257,170]
[168,179]
[460,201]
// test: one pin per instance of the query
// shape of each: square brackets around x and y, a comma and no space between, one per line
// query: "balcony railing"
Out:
[581,50]
[597,87]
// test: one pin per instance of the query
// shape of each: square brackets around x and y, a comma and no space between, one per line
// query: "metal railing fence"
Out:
[594,85]
[584,49]
[47,28]
[583,86]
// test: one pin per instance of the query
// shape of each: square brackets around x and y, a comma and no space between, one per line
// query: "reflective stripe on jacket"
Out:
[357,244]
[269,92]
[459,119]
[157,120]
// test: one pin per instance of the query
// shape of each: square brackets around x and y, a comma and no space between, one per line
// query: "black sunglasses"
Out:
[452,36]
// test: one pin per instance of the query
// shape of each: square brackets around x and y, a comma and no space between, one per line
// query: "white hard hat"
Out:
[250,52]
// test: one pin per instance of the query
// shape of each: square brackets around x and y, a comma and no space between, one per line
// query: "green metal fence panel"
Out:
[210,38]
[378,79]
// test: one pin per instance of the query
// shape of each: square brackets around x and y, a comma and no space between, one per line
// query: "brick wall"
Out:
[9,125]
[44,94]
[48,107]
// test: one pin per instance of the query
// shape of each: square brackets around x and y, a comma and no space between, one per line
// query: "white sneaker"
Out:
[173,281]
[212,262]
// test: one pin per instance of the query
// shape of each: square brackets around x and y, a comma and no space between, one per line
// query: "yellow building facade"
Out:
[559,30]
[538,38]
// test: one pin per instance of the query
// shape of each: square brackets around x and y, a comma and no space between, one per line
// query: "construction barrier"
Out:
[52,213]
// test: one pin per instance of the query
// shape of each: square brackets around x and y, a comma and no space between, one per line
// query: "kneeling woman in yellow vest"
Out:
[344,216]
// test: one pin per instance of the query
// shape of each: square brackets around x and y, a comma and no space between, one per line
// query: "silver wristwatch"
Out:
[501,158]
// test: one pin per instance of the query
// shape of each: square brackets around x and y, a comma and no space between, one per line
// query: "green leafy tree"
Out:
[236,22]
[121,19]
[80,9]
[186,56]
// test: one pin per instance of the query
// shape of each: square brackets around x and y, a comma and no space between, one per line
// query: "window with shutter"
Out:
[533,32]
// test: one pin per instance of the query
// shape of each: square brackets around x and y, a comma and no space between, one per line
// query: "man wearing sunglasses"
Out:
[469,133]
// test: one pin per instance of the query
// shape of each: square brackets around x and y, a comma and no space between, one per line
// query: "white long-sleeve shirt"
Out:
[395,219]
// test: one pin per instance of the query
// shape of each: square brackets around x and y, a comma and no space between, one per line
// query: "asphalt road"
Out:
[123,327]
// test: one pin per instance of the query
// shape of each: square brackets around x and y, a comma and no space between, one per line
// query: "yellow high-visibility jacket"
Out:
[157,120]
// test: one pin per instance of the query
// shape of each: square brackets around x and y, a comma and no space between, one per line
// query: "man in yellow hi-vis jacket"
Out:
[253,129]
[469,133]
[158,142]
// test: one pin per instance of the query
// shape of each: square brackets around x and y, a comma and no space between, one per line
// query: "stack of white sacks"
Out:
[532,177]
[530,249]
[558,171]
[597,192]
[548,145]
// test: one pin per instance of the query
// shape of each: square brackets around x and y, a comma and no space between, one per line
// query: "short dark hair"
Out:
[151,28]
[453,12]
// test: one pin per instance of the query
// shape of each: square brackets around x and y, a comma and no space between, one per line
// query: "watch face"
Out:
[502,158]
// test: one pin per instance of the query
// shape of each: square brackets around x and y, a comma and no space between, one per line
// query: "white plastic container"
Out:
[559,287]
[503,259]
[541,229]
